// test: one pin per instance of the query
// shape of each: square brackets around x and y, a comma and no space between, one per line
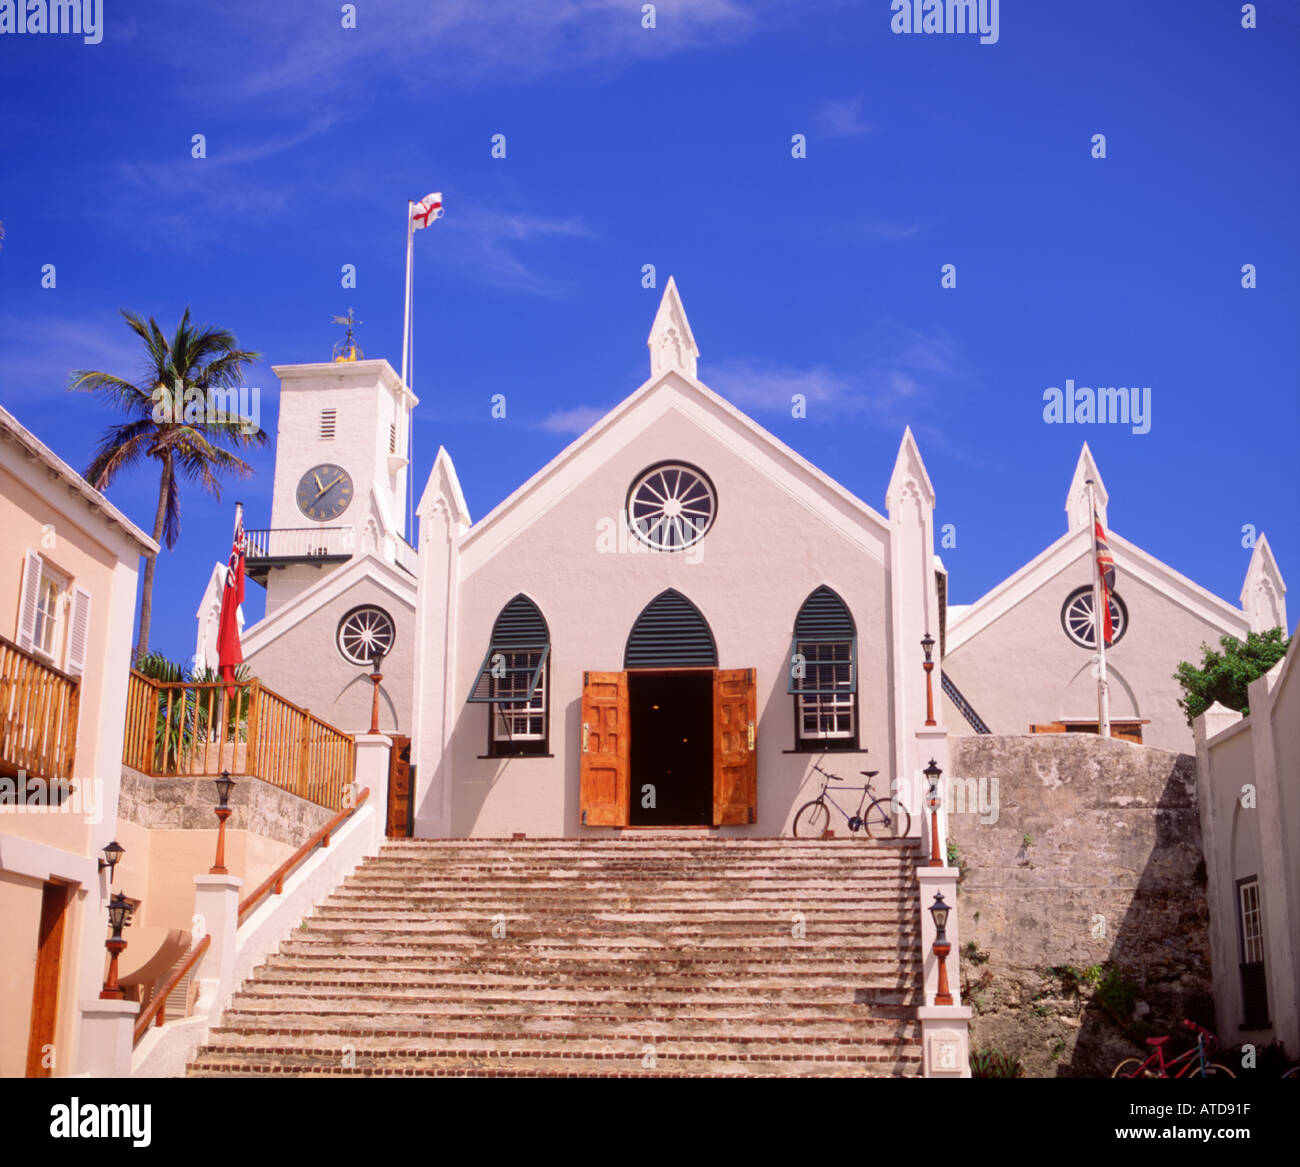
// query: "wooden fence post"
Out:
[304,754]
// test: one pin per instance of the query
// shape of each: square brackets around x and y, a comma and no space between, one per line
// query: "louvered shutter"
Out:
[823,632]
[670,633]
[28,601]
[735,747]
[78,631]
[520,628]
[603,773]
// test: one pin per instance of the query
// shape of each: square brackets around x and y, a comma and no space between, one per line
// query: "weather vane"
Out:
[346,349]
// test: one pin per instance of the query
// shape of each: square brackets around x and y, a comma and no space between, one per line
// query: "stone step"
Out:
[502,1027]
[635,956]
[404,1043]
[259,995]
[537,1063]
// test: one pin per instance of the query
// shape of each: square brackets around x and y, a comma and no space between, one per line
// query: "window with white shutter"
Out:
[29,599]
[78,631]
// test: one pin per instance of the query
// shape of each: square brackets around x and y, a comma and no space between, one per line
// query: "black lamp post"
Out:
[113,853]
[933,799]
[376,664]
[118,909]
[927,646]
[939,913]
[224,785]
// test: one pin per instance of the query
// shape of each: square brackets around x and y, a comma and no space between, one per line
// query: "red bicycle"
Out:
[1192,1063]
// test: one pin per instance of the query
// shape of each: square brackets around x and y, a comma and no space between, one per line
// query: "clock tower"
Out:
[341,469]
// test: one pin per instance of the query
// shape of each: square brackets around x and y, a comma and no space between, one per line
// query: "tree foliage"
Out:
[1223,676]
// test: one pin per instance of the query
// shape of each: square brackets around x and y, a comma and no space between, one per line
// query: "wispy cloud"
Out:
[465,42]
[902,379]
[491,245]
[577,420]
[41,350]
[841,119]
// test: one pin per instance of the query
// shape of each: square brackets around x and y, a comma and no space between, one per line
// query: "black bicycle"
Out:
[878,817]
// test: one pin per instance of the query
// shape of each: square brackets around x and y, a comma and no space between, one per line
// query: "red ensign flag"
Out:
[229,652]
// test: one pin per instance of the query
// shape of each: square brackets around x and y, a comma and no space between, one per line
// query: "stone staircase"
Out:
[640,956]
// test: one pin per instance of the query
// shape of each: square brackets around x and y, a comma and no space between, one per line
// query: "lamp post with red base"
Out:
[927,645]
[224,783]
[941,948]
[118,907]
[933,799]
[376,663]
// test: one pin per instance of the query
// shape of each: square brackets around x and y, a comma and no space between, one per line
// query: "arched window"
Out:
[670,633]
[514,681]
[823,667]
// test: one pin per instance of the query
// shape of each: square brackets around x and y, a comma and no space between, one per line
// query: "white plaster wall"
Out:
[1022,669]
[304,664]
[765,553]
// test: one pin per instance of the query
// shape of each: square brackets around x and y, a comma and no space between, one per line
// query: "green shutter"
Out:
[823,619]
[670,633]
[519,628]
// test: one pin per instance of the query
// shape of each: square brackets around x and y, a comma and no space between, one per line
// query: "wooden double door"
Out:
[669,747]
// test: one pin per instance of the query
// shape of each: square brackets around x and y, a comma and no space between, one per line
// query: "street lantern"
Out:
[933,799]
[376,675]
[223,812]
[118,910]
[927,646]
[939,913]
[113,853]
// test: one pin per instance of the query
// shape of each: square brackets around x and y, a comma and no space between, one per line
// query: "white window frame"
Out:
[827,710]
[54,622]
[1250,911]
[510,719]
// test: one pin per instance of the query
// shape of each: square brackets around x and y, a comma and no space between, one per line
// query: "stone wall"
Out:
[1083,914]
[186,804]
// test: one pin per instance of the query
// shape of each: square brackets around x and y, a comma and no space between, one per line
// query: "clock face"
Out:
[324,492]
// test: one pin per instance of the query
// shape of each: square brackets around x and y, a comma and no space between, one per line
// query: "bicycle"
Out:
[877,818]
[1196,1060]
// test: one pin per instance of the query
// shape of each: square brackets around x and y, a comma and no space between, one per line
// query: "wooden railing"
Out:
[275,881]
[38,714]
[156,1010]
[203,728]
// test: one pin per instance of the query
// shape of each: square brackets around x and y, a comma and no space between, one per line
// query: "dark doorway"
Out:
[671,731]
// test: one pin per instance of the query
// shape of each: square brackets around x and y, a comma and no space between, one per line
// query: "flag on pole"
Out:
[229,652]
[426,210]
[1106,574]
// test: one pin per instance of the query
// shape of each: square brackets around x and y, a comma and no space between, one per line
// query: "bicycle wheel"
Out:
[881,820]
[1215,1070]
[812,820]
[1128,1068]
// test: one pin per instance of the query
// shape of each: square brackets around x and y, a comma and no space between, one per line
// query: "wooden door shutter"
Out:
[735,753]
[78,631]
[28,600]
[604,783]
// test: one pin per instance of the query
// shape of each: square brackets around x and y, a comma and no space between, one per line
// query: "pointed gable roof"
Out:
[1076,500]
[908,467]
[1263,594]
[671,343]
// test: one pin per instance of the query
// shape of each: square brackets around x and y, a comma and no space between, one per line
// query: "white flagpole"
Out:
[1099,624]
[406,316]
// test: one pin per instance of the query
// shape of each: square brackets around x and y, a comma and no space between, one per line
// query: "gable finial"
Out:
[671,343]
[1078,508]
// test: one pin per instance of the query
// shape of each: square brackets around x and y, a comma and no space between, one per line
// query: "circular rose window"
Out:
[365,631]
[1077,618]
[671,506]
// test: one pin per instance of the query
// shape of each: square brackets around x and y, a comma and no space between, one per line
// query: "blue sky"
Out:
[672,146]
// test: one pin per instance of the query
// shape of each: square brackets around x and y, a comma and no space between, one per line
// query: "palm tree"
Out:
[198,357]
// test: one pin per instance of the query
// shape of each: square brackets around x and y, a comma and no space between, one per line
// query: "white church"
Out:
[670,622]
